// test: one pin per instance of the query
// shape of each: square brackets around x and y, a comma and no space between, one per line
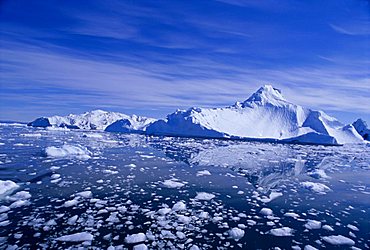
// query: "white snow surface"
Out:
[96,120]
[266,115]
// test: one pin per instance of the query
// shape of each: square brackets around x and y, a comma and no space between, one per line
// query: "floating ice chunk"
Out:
[94,135]
[204,196]
[7,187]
[71,203]
[352,227]
[313,224]
[316,187]
[72,220]
[266,211]
[318,173]
[21,195]
[203,173]
[309,247]
[236,233]
[178,206]
[328,228]
[194,247]
[290,214]
[77,237]
[85,194]
[338,240]
[68,151]
[55,176]
[135,238]
[184,219]
[180,235]
[20,203]
[164,211]
[283,231]
[172,184]
[273,195]
[4,209]
[140,247]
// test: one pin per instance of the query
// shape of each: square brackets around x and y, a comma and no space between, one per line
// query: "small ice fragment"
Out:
[313,224]
[283,231]
[172,184]
[77,237]
[203,173]
[338,240]
[204,196]
[135,238]
[315,187]
[266,211]
[236,233]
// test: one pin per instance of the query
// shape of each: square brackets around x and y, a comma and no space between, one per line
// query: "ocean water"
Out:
[98,190]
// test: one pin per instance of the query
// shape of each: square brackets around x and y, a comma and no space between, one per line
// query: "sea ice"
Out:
[283,231]
[7,187]
[236,233]
[135,238]
[77,237]
[172,184]
[316,187]
[68,151]
[338,240]
[204,196]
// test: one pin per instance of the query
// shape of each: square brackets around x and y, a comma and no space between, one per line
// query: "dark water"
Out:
[126,199]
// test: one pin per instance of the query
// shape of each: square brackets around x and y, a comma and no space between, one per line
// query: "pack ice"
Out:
[266,115]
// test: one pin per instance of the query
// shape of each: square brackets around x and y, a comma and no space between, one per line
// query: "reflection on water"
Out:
[128,186]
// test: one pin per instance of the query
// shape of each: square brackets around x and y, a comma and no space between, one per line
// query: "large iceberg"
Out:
[266,115]
[96,120]
[362,128]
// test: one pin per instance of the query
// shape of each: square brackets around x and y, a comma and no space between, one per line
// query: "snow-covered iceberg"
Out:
[134,124]
[266,115]
[362,128]
[96,120]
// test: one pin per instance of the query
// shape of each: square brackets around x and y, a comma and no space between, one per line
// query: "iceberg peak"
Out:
[266,94]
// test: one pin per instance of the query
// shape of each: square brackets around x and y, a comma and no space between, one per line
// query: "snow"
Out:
[316,187]
[172,184]
[135,238]
[338,240]
[236,233]
[7,187]
[77,237]
[96,120]
[134,124]
[266,115]
[362,128]
[204,196]
[68,151]
[283,231]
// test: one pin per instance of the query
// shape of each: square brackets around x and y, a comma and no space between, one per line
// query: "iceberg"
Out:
[93,120]
[362,128]
[134,125]
[266,116]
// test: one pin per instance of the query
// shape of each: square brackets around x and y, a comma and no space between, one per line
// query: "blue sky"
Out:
[152,57]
